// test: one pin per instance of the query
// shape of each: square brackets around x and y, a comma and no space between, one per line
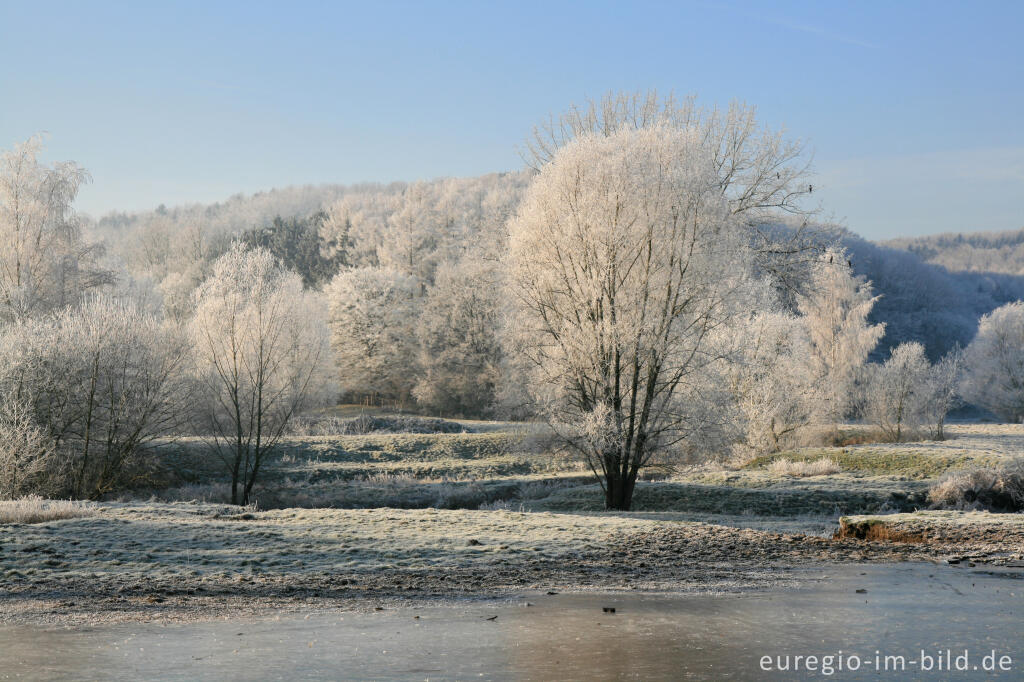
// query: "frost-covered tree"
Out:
[774,388]
[459,351]
[263,355]
[994,363]
[835,306]
[28,457]
[44,262]
[758,170]
[624,261]
[372,317]
[415,235]
[762,173]
[104,381]
[896,399]
[942,390]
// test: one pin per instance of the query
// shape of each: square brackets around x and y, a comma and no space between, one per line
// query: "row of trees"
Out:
[653,313]
[657,288]
[93,376]
[409,233]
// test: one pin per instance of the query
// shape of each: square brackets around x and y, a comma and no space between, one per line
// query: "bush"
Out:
[99,385]
[999,489]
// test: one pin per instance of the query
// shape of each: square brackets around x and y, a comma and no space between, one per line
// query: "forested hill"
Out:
[933,289]
[925,301]
[994,252]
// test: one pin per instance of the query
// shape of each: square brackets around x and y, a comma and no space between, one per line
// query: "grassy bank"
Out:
[509,468]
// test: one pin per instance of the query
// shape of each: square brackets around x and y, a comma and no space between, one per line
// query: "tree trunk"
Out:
[618,491]
[234,477]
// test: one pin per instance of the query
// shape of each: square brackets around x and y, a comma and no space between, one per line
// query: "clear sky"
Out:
[914,110]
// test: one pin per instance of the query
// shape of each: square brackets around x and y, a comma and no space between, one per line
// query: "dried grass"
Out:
[35,509]
[802,468]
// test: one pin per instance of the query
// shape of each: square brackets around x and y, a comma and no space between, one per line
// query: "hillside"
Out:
[990,252]
[933,289]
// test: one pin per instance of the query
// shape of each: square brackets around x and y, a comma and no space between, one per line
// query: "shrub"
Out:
[27,454]
[999,489]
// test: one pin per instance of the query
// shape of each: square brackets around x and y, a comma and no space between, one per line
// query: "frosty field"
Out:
[707,530]
[511,468]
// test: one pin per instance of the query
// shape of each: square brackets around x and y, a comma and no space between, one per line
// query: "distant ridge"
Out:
[994,252]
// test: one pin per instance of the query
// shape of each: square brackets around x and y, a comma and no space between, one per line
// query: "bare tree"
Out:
[625,260]
[262,349]
[994,363]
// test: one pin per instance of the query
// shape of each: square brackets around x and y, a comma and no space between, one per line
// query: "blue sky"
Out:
[913,110]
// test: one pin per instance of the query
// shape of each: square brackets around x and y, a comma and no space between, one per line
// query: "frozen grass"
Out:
[801,468]
[913,460]
[195,540]
[35,509]
[463,470]
[515,468]
[330,425]
[776,499]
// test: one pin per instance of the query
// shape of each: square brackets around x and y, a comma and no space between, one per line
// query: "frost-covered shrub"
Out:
[28,455]
[995,489]
[101,383]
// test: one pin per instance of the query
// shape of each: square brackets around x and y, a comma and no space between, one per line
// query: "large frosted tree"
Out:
[761,172]
[625,261]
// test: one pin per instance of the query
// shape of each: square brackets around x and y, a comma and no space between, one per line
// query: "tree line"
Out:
[651,284]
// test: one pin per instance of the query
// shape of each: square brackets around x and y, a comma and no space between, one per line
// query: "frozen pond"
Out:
[906,608]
